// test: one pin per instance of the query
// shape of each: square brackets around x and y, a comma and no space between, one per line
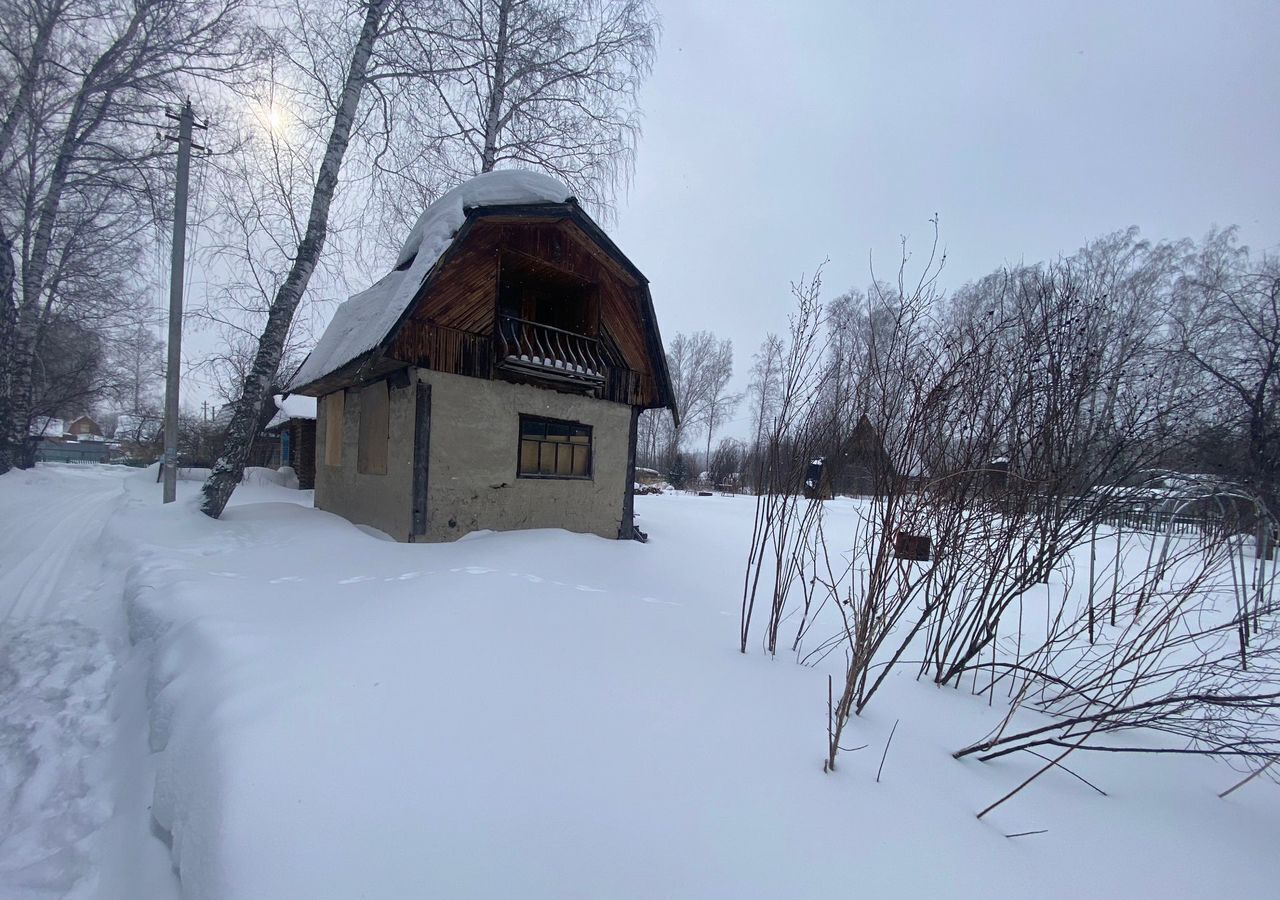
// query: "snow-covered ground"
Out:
[312,712]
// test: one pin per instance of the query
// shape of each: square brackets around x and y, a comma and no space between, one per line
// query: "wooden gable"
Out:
[450,323]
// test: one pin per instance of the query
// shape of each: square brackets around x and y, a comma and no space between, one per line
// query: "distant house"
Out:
[85,429]
[493,379]
[136,428]
[78,441]
[293,431]
[859,467]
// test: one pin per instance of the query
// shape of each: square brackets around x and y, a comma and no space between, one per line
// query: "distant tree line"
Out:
[1191,327]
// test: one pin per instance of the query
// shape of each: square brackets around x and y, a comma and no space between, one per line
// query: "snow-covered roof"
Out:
[129,425]
[292,406]
[362,322]
[48,426]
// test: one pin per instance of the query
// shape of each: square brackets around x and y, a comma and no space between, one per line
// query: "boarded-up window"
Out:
[375,417]
[334,413]
[551,448]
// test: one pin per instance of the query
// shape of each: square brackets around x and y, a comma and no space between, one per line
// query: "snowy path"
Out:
[63,783]
[45,537]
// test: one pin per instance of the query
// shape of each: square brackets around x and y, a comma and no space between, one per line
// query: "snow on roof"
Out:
[362,322]
[292,406]
[130,425]
[296,406]
[47,426]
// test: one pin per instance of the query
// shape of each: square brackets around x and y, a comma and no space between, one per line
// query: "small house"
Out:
[493,378]
[293,432]
[85,429]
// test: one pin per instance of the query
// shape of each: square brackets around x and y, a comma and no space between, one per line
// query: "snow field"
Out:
[300,709]
[557,715]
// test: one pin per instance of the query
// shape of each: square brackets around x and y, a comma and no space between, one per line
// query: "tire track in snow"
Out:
[27,590]
[56,677]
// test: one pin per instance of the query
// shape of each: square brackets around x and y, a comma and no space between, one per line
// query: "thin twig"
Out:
[886,749]
[1247,779]
[1069,772]
[1030,778]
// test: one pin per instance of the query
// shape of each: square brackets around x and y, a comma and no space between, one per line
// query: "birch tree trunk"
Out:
[13,430]
[246,411]
[497,91]
[7,275]
[29,72]
[21,356]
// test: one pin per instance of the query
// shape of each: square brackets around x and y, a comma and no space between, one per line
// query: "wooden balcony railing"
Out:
[547,352]
[527,349]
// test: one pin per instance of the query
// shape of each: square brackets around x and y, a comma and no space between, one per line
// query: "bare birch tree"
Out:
[542,84]
[247,410]
[91,82]
[1227,324]
[720,404]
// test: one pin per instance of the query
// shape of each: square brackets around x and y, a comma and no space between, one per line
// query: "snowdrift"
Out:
[554,715]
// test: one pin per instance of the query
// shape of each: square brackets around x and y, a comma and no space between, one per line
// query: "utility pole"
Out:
[177,269]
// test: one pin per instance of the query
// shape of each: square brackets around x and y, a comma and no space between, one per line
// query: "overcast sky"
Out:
[777,135]
[781,134]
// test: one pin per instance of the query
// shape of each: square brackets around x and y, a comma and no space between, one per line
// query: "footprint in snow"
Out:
[227,574]
[356,579]
[477,570]
[405,576]
[589,589]
[285,578]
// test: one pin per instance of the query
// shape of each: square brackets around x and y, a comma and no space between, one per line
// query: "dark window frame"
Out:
[583,427]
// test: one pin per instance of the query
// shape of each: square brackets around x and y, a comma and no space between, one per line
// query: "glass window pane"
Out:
[548,459]
[580,456]
[532,429]
[579,437]
[564,460]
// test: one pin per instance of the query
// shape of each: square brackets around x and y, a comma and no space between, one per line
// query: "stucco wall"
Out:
[472,483]
[383,501]
[475,431]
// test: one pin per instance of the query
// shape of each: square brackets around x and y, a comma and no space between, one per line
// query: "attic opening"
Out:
[547,324]
[545,295]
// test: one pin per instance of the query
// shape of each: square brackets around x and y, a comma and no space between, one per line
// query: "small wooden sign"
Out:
[911,546]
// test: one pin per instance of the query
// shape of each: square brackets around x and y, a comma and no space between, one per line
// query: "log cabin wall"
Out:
[451,326]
